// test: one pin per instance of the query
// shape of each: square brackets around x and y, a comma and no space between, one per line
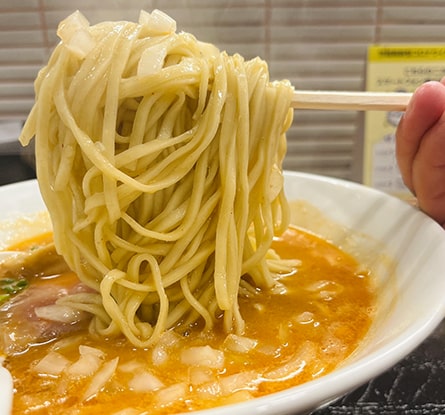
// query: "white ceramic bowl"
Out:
[403,246]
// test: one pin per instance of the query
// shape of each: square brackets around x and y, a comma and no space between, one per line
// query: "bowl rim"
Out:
[343,379]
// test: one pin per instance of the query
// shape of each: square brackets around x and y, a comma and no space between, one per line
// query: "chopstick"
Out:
[344,100]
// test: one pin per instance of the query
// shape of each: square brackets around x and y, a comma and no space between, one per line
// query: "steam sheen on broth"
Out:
[294,335]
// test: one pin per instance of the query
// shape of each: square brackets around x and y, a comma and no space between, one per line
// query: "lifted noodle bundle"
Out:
[159,159]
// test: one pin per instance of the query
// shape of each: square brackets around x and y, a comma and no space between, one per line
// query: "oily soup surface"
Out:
[291,337]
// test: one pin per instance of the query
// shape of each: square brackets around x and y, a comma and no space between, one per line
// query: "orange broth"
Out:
[299,336]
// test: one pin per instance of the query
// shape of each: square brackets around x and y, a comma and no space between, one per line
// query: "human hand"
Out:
[420,148]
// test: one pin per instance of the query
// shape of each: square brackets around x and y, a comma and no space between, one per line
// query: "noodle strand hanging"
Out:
[159,158]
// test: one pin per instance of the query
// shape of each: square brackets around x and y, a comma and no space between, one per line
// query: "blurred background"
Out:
[316,44]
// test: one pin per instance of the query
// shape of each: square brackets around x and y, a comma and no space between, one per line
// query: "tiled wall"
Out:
[317,44]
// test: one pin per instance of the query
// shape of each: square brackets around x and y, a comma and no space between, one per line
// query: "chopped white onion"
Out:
[144,382]
[100,379]
[203,356]
[200,375]
[132,366]
[160,351]
[306,353]
[238,381]
[259,307]
[284,331]
[157,22]
[74,22]
[86,365]
[291,368]
[81,43]
[159,355]
[88,350]
[227,385]
[152,60]
[325,285]
[333,345]
[53,364]
[239,344]
[144,17]
[170,338]
[59,313]
[269,350]
[67,342]
[171,394]
[306,317]
[74,33]
[278,289]
[209,390]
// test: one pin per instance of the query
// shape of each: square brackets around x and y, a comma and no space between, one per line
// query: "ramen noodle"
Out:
[160,161]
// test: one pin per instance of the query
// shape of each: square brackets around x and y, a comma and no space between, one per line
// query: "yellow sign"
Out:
[406,53]
[393,68]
